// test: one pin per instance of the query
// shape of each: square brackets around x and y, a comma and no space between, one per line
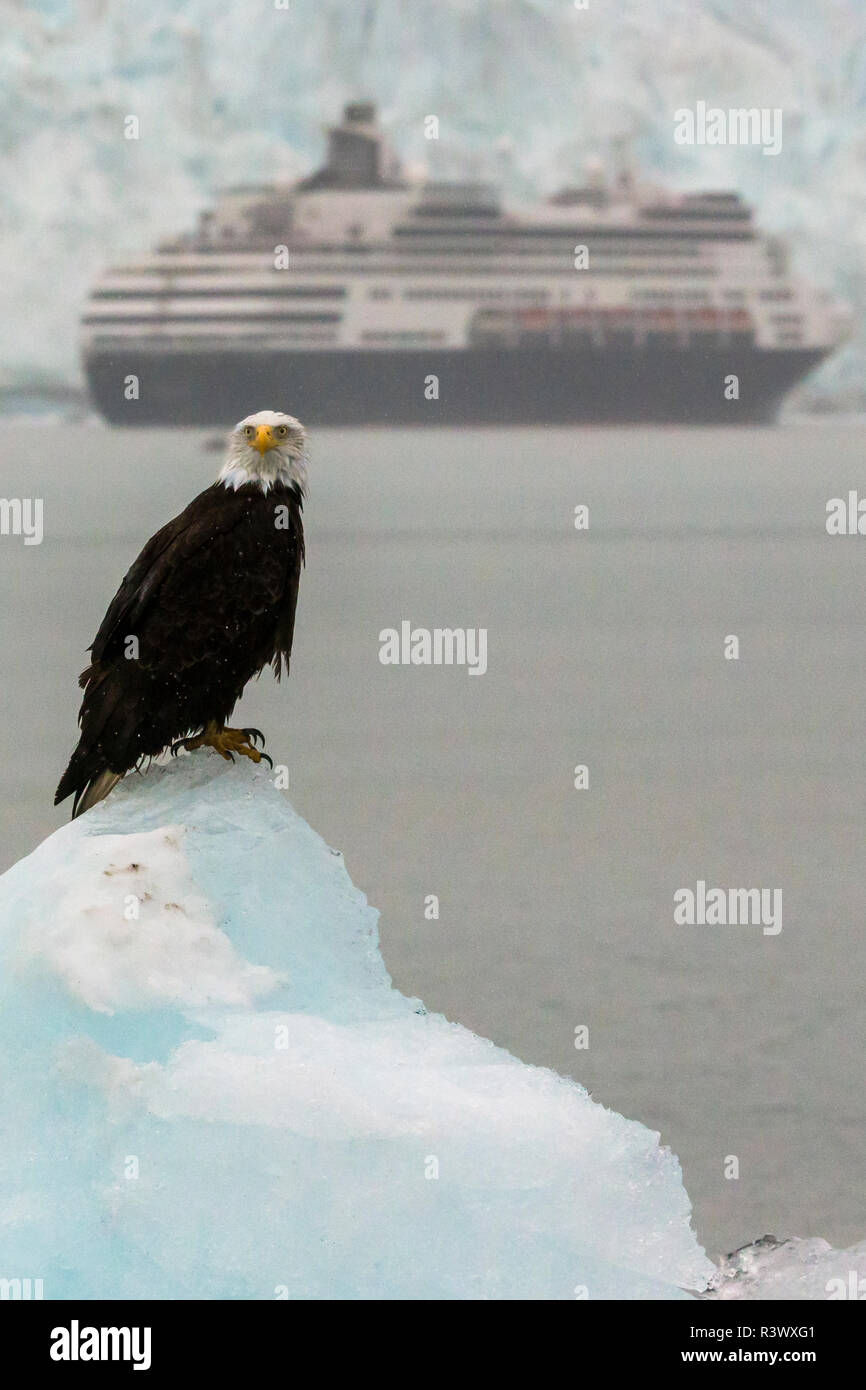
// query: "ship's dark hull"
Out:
[658,382]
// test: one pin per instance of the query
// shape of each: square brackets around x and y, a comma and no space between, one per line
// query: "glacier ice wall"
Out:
[209,1087]
[525,90]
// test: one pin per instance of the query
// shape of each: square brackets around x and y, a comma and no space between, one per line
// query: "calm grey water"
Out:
[605,648]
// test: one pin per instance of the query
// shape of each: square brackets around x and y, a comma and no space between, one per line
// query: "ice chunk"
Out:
[791,1269]
[224,1096]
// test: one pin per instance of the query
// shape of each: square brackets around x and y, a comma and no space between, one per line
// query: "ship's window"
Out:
[380,294]
[473,295]
[470,294]
[676,297]
[396,335]
[777,257]
[355,231]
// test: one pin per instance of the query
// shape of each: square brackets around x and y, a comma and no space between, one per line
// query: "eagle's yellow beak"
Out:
[264,439]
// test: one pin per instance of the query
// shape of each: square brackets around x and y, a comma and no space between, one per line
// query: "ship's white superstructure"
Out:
[358,262]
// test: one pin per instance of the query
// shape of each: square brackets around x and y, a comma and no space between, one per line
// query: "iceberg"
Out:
[209,1087]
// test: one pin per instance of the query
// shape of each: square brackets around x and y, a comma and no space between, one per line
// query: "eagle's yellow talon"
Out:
[225,741]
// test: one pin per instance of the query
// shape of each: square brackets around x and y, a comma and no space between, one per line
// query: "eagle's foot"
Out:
[227,742]
[249,749]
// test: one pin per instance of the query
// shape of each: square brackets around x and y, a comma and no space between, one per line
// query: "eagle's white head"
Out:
[266,448]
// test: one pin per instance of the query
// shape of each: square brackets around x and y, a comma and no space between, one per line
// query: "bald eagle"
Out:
[208,603]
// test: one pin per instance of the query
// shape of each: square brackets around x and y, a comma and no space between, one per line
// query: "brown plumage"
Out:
[209,602]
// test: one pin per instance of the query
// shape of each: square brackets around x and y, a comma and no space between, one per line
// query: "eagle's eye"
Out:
[282,431]
[249,431]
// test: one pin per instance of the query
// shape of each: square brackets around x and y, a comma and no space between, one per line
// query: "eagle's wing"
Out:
[286,623]
[207,516]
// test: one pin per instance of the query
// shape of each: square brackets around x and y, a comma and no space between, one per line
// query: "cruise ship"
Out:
[360,296]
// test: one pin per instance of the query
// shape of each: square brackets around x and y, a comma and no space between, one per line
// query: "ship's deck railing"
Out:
[601,325]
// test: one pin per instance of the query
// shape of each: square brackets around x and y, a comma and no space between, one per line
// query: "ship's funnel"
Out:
[357,154]
[355,148]
[359,113]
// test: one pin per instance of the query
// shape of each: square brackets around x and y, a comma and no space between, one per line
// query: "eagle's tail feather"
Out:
[94,790]
[87,777]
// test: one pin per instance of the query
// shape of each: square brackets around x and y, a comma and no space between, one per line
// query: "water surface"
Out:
[604,648]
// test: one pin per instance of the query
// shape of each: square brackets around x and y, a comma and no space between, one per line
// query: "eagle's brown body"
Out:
[208,603]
